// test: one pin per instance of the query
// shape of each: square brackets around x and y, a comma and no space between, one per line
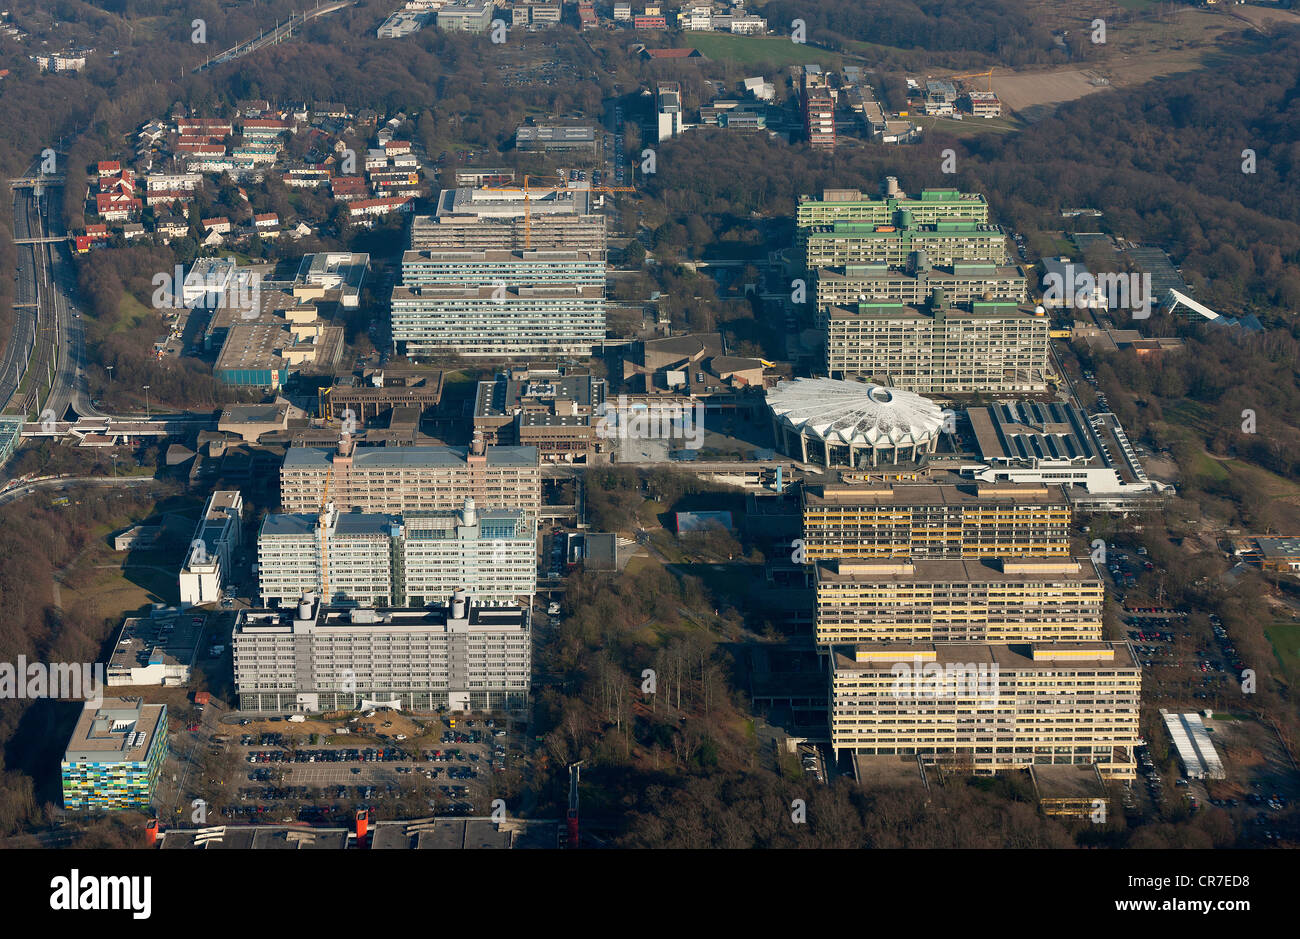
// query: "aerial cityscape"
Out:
[583,426]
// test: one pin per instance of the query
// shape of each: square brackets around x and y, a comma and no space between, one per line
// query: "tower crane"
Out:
[563,184]
[987,75]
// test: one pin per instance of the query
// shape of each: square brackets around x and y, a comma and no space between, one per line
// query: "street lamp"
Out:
[146,402]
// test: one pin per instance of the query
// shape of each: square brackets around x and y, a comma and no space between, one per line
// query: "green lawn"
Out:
[1285,638]
[970,126]
[751,50]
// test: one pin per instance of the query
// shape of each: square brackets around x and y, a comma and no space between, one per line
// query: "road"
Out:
[281,32]
[14,491]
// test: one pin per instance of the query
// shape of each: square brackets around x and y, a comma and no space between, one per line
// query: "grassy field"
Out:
[970,126]
[1285,638]
[131,314]
[107,582]
[759,50]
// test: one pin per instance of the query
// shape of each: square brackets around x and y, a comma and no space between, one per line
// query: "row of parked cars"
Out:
[367,755]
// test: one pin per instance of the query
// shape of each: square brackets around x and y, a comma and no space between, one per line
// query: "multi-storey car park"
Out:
[410,479]
[1008,600]
[309,657]
[382,559]
[990,706]
[934,520]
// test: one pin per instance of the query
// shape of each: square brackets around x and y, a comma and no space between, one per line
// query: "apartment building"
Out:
[458,655]
[498,320]
[943,244]
[114,757]
[211,554]
[510,218]
[934,520]
[818,109]
[929,208]
[992,347]
[962,283]
[379,559]
[407,480]
[1005,600]
[989,706]
[668,108]
[514,268]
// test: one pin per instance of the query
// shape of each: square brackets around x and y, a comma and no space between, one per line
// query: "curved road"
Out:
[17,490]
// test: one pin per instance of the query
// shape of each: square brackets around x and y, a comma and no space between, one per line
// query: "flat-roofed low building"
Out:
[252,421]
[1007,600]
[458,655]
[556,138]
[378,390]
[410,479]
[549,409]
[1075,791]
[114,757]
[1058,444]
[988,706]
[158,649]
[467,16]
[935,520]
[401,23]
[1281,554]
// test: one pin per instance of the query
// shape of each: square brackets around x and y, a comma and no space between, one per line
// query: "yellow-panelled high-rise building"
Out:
[935,520]
[958,601]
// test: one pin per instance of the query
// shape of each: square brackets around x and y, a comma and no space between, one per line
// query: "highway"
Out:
[26,297]
[44,302]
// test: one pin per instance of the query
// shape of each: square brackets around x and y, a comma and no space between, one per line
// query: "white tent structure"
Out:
[853,423]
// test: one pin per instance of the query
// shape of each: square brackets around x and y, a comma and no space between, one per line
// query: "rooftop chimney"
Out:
[468,514]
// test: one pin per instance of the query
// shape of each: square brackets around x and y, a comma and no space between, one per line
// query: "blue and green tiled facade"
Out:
[100,776]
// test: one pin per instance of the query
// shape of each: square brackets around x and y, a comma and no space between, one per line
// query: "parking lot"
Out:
[295,775]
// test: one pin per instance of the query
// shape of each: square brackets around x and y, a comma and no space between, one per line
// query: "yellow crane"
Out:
[988,75]
[323,533]
[563,184]
[528,219]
